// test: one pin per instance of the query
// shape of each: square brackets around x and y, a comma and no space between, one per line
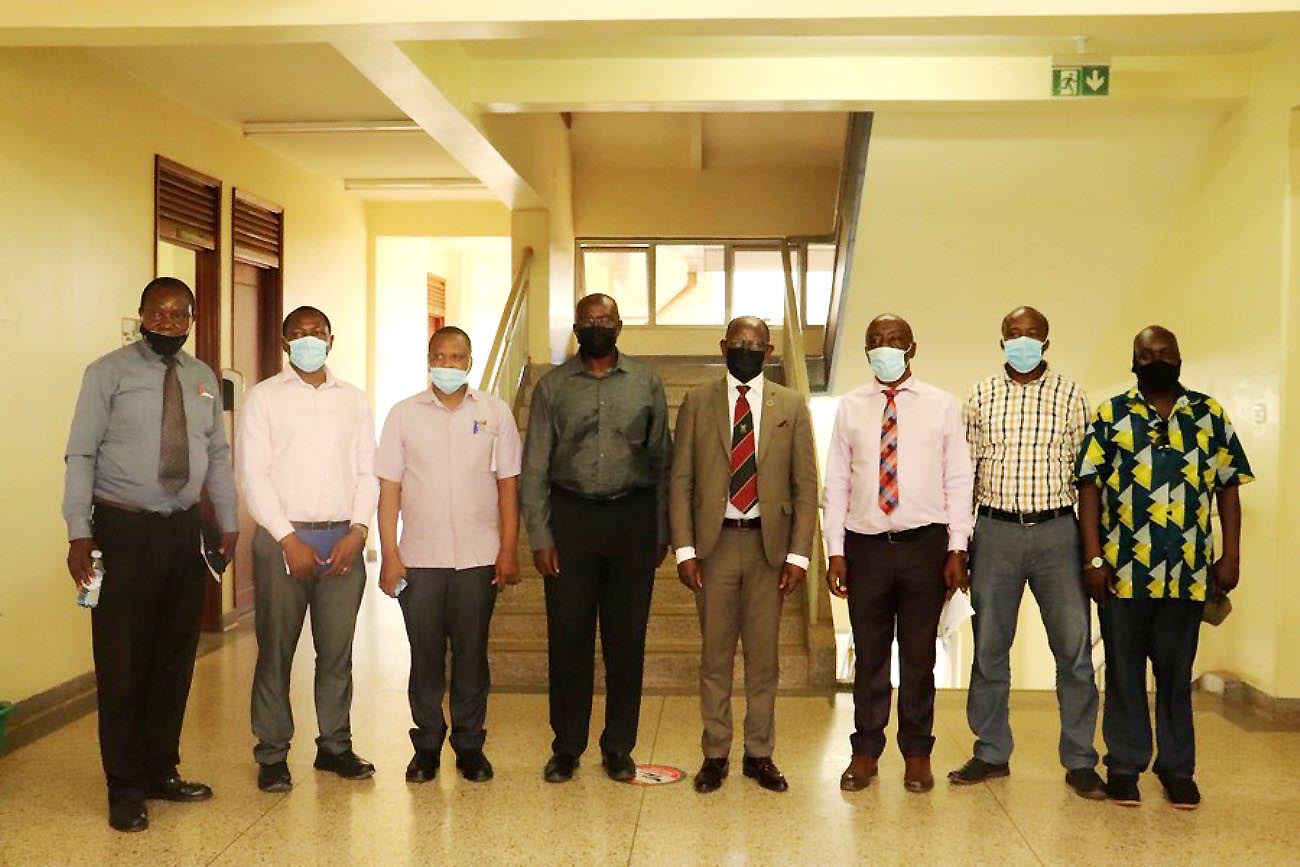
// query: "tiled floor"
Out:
[52,806]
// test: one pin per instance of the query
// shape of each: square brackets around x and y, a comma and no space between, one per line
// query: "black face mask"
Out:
[1157,376]
[745,364]
[163,344]
[597,341]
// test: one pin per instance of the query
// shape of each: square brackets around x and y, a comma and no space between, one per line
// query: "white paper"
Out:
[956,611]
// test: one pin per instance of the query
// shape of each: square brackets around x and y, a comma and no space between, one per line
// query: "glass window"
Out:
[821,265]
[758,285]
[690,284]
[622,275]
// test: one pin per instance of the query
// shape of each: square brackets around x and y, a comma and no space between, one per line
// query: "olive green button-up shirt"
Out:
[597,437]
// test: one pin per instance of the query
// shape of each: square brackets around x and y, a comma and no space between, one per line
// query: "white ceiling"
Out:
[239,84]
[722,140]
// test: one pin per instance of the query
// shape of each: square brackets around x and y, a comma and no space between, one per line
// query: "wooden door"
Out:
[255,315]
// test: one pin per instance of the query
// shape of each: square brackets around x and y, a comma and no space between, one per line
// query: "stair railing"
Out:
[507,363]
[794,362]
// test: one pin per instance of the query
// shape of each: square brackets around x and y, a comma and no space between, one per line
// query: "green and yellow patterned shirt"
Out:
[1156,478]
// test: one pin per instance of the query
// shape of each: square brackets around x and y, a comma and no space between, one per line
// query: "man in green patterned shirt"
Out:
[1147,468]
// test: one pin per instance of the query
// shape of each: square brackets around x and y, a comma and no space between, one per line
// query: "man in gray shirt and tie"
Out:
[147,438]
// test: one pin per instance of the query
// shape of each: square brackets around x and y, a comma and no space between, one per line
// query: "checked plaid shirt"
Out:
[1024,440]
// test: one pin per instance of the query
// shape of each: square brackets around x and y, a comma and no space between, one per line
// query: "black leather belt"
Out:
[742,523]
[139,513]
[320,525]
[903,535]
[1026,519]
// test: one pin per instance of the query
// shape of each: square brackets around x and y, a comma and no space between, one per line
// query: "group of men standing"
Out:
[604,492]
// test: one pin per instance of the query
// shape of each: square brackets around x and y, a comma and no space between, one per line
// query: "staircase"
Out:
[517,647]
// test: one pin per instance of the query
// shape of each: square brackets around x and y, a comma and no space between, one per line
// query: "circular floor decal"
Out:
[657,775]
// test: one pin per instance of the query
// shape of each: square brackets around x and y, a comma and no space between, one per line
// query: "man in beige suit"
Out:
[742,503]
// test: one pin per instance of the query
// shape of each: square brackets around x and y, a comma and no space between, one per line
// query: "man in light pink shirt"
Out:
[897,521]
[304,457]
[448,462]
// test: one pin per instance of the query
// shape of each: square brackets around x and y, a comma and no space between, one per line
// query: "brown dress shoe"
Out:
[917,777]
[766,773]
[857,776]
[711,774]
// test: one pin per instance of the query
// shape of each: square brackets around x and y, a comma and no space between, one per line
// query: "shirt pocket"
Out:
[636,427]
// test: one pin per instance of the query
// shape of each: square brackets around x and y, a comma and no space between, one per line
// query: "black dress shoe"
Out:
[127,814]
[474,766]
[176,789]
[1123,790]
[559,768]
[1182,792]
[1086,783]
[977,771]
[423,767]
[619,767]
[766,773]
[347,765]
[710,775]
[274,777]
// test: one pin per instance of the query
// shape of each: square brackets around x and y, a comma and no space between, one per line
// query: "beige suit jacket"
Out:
[701,474]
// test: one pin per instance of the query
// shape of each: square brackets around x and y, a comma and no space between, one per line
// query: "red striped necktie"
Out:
[744,463]
[889,454]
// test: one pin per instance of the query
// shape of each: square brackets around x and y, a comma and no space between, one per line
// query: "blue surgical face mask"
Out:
[1024,354]
[447,379]
[888,363]
[308,353]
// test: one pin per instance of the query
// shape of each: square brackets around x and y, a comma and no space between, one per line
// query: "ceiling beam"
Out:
[839,83]
[296,127]
[394,73]
[412,184]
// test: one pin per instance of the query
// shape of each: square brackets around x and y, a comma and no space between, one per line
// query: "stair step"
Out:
[525,667]
[665,630]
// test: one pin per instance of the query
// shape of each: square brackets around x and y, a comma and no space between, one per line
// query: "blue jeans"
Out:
[1005,557]
[1166,631]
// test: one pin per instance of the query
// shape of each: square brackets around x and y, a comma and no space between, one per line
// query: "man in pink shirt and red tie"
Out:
[897,521]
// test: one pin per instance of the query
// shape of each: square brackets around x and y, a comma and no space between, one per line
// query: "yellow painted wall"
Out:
[77,141]
[967,215]
[1226,282]
[713,203]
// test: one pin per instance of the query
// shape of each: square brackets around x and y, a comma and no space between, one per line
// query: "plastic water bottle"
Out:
[88,596]
[401,585]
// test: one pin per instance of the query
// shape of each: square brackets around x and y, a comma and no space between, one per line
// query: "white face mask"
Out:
[448,380]
[888,363]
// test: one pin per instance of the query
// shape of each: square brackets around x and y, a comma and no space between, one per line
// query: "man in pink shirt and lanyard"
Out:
[897,521]
[305,458]
[449,461]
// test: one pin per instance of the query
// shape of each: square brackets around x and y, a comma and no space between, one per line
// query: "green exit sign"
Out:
[1080,80]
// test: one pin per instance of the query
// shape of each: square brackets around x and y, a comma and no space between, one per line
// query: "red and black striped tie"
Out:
[744,463]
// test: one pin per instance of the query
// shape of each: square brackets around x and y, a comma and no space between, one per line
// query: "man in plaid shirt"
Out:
[1025,425]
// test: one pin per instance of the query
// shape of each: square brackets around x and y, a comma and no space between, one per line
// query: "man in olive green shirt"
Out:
[594,489]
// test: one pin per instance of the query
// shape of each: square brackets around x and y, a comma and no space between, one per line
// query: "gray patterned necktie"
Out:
[174,446]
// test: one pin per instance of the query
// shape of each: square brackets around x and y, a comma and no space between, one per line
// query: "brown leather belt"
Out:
[902,535]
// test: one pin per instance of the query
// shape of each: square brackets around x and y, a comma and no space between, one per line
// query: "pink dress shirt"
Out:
[448,463]
[934,472]
[305,453]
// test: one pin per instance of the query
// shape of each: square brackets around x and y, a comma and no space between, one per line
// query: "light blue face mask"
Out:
[447,379]
[308,353]
[888,363]
[1024,354]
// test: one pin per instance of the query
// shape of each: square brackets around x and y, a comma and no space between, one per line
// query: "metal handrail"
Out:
[794,361]
[511,316]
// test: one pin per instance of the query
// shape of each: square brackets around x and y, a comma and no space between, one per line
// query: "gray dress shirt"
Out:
[113,448]
[597,437]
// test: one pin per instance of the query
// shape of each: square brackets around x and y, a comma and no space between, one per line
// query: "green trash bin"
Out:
[6,707]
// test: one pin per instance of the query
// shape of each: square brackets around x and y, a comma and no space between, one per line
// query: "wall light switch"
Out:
[130,330]
[1260,412]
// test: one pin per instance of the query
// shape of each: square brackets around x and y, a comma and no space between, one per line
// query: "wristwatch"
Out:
[365,531]
[1096,562]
